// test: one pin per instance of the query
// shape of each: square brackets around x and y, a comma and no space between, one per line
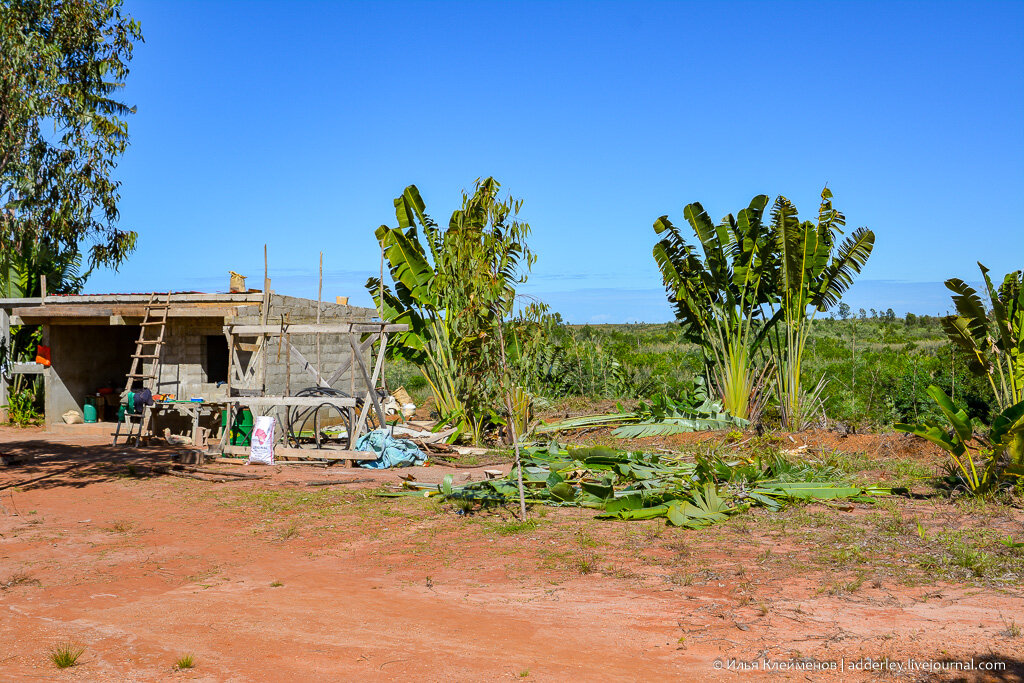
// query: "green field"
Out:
[876,369]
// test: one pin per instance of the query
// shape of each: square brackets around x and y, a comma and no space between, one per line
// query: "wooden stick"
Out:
[334,482]
[239,475]
[319,298]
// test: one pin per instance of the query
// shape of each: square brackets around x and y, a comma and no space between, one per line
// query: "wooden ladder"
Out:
[148,350]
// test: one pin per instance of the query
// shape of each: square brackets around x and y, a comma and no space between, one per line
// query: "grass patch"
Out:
[514,527]
[289,500]
[120,526]
[19,578]
[186,661]
[585,563]
[276,584]
[288,532]
[66,655]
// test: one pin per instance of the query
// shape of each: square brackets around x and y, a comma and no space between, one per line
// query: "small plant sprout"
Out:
[276,584]
[66,655]
[186,661]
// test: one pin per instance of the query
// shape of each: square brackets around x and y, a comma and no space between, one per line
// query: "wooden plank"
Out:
[371,381]
[347,364]
[313,328]
[306,401]
[183,298]
[306,365]
[5,347]
[308,453]
[64,311]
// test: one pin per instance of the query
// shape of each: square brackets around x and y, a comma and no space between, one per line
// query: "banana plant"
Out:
[812,275]
[455,288]
[415,302]
[719,298]
[981,460]
[993,339]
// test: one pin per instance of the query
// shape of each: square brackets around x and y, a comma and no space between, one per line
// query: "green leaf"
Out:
[938,436]
[563,492]
[810,490]
[957,417]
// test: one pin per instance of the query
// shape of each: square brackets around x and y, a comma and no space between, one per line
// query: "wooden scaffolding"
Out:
[247,382]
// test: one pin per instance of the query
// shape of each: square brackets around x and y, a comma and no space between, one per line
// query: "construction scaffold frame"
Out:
[247,381]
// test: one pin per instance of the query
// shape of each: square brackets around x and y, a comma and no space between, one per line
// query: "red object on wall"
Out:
[43,355]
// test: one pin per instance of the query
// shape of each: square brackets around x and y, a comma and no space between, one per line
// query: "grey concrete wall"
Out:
[335,350]
[84,358]
[183,369]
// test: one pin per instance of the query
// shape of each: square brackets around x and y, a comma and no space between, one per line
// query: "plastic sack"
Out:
[261,449]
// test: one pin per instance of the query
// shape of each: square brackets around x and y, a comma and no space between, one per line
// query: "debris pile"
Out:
[625,485]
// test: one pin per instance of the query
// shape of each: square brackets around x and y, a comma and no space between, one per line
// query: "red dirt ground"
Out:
[139,568]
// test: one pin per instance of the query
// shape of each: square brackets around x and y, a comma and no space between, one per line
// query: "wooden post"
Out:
[42,287]
[264,317]
[5,341]
[228,420]
[319,298]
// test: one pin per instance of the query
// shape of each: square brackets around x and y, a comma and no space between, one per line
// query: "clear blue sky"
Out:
[296,124]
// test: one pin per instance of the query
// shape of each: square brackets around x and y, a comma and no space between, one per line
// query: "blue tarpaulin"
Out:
[391,452]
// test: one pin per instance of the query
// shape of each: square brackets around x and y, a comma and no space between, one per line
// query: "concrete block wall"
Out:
[183,370]
[86,357]
[335,350]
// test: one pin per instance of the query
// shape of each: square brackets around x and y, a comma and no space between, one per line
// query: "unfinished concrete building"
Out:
[92,338]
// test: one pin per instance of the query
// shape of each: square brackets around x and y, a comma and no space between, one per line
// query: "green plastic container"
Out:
[241,432]
[89,409]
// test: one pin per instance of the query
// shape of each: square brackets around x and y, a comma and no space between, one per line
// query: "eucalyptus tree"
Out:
[813,272]
[719,289]
[62,128]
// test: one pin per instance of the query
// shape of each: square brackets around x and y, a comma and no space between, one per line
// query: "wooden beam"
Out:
[5,348]
[308,453]
[306,401]
[306,365]
[347,364]
[313,328]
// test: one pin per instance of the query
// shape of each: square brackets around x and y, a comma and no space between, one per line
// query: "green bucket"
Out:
[241,432]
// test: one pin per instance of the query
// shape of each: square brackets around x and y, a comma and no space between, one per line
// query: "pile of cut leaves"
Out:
[692,494]
[694,411]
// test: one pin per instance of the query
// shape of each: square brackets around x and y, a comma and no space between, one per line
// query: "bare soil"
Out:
[271,579]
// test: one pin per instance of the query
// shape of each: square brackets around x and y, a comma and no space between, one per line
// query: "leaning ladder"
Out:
[147,352]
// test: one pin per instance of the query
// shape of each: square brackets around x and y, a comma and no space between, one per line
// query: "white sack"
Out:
[261,449]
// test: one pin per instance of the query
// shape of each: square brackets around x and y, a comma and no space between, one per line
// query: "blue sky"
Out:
[296,124]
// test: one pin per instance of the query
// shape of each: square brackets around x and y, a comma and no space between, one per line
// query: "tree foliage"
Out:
[718,294]
[748,281]
[61,127]
[455,288]
[992,338]
[814,270]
